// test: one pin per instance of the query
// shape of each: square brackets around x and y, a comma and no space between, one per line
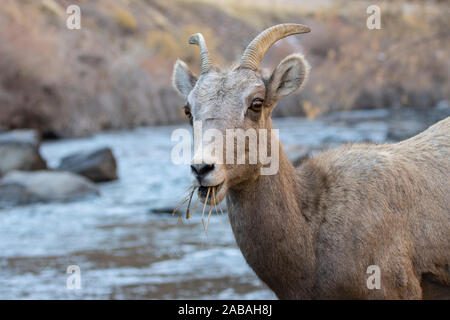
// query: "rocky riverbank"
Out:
[25,177]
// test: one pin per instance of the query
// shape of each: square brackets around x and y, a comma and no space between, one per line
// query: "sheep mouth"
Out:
[208,195]
[203,190]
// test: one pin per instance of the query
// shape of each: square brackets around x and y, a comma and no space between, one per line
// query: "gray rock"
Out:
[98,166]
[24,187]
[407,122]
[170,207]
[440,111]
[443,105]
[19,150]
[14,194]
[405,129]
[299,153]
[164,210]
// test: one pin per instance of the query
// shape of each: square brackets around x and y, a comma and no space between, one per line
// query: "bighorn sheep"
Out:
[312,232]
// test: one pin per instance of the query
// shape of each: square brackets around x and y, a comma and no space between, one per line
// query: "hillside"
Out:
[115,72]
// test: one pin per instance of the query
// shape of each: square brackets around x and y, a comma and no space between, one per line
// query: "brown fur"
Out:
[313,232]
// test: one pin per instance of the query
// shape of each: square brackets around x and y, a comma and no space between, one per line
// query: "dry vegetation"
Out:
[115,71]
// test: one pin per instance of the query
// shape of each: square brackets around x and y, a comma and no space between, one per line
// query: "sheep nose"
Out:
[200,170]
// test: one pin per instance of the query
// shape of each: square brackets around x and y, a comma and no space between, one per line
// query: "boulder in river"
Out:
[299,153]
[25,187]
[181,210]
[98,166]
[19,150]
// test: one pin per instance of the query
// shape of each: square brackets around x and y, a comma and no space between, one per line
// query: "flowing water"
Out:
[122,249]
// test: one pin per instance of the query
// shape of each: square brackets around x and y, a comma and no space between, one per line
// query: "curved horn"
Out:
[257,48]
[198,40]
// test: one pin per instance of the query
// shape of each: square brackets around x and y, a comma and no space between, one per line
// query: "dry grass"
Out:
[125,19]
[188,199]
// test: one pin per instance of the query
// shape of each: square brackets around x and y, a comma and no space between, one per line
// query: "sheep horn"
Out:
[257,48]
[198,40]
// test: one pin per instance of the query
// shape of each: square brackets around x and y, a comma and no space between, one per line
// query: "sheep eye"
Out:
[256,104]
[187,111]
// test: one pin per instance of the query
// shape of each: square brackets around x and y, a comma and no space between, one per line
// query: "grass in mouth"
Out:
[188,199]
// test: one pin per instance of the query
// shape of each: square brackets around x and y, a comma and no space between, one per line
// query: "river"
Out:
[123,250]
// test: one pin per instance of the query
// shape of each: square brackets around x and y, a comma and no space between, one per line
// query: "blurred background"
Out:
[86,117]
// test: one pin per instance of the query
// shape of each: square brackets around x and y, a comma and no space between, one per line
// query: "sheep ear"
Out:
[183,79]
[288,77]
